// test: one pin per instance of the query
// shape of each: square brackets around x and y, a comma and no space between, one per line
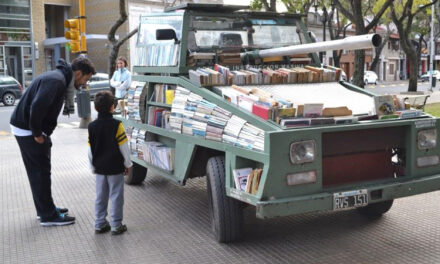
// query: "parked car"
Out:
[98,82]
[369,77]
[425,77]
[10,90]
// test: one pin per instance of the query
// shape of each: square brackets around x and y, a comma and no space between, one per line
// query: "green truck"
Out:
[211,87]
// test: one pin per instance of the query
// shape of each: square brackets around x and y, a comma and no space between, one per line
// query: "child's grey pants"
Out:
[111,186]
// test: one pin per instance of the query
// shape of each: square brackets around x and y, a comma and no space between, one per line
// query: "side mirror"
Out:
[166,34]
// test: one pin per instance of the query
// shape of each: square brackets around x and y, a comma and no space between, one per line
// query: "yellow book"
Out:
[256,180]
[169,96]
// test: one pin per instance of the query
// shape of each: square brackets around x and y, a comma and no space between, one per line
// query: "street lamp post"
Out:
[324,19]
[431,60]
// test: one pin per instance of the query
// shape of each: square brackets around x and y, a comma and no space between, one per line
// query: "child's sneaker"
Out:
[61,220]
[59,210]
[103,229]
[119,230]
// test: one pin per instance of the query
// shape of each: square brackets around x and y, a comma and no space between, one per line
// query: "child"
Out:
[109,159]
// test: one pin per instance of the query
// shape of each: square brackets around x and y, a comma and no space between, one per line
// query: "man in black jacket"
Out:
[32,123]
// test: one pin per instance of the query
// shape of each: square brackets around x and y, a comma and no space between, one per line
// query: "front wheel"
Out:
[8,99]
[376,210]
[137,175]
[226,214]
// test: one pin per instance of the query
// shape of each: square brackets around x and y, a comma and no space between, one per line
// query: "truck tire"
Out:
[226,214]
[137,175]
[376,210]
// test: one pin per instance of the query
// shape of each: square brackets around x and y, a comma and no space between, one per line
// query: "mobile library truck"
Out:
[241,97]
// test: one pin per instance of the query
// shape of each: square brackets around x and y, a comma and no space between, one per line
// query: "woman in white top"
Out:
[121,81]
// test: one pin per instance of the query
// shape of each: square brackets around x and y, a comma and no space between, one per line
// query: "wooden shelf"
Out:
[158,104]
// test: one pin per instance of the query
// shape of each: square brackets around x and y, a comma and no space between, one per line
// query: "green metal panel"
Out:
[324,201]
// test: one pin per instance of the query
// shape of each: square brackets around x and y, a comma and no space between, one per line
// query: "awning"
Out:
[50,42]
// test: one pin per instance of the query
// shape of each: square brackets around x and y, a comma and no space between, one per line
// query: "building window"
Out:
[391,68]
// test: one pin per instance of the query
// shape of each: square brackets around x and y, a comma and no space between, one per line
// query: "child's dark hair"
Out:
[104,101]
[84,65]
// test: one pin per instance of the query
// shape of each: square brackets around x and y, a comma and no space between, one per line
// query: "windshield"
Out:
[241,32]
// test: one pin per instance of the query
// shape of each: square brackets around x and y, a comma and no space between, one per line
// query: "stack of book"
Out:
[159,155]
[200,59]
[221,75]
[137,139]
[229,58]
[193,115]
[135,98]
[163,54]
[247,179]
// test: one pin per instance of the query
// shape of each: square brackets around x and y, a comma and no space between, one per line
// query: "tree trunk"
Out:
[359,62]
[414,64]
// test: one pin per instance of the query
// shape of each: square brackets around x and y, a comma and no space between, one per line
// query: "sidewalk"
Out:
[170,224]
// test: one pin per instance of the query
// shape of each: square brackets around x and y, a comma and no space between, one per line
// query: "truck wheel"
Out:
[137,175]
[226,214]
[376,210]
[8,99]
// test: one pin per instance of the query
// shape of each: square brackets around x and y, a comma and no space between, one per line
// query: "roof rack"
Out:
[207,7]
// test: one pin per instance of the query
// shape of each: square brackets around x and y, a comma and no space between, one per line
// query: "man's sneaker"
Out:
[119,230]
[59,210]
[103,229]
[61,220]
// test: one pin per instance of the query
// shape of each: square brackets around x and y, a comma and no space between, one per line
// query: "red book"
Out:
[262,111]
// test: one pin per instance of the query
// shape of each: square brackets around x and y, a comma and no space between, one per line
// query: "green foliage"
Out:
[256,5]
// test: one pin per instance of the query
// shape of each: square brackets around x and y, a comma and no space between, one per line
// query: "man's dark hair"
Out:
[104,101]
[84,65]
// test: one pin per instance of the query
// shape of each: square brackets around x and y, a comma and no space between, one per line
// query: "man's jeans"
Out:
[36,158]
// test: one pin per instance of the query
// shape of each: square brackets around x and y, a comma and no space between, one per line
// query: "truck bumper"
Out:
[324,201]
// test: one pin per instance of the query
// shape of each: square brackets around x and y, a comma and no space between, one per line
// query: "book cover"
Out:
[384,104]
[262,111]
[240,177]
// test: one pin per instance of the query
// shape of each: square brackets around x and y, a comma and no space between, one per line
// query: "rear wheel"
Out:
[137,175]
[376,210]
[226,214]
[8,99]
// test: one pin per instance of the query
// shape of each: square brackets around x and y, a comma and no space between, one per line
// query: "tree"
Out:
[263,4]
[355,11]
[403,13]
[116,44]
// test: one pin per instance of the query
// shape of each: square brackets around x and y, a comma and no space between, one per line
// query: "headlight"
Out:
[302,152]
[427,139]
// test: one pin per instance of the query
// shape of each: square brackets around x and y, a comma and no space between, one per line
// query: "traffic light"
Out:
[73,34]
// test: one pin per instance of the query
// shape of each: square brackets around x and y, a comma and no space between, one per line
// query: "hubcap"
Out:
[9,99]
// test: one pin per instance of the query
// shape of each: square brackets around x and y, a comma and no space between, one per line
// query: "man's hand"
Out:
[39,140]
[127,171]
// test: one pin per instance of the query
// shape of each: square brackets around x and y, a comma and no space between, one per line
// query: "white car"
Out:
[370,77]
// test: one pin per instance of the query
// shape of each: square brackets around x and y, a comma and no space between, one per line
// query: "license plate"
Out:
[351,199]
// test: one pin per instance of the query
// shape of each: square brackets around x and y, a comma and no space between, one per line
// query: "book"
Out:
[336,111]
[241,177]
[312,110]
[262,111]
[256,180]
[384,104]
